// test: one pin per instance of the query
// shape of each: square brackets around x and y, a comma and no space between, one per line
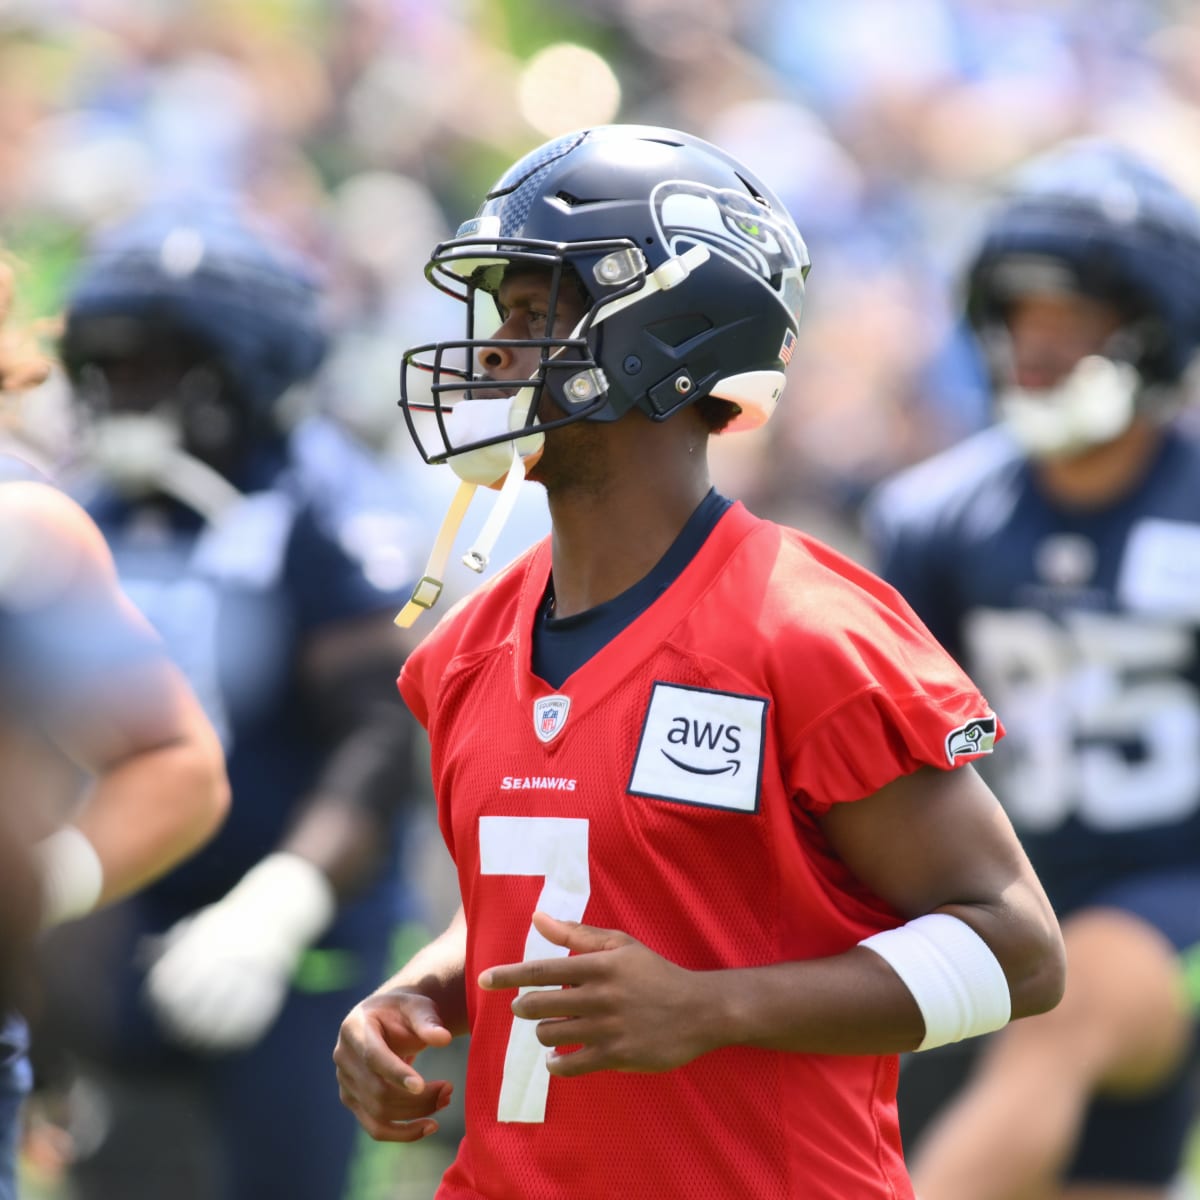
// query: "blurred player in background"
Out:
[729,751]
[1057,556]
[86,687]
[194,1011]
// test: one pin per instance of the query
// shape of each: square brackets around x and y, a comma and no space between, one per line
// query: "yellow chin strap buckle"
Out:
[429,587]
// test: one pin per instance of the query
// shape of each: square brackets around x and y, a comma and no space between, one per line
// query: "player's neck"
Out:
[1104,474]
[604,542]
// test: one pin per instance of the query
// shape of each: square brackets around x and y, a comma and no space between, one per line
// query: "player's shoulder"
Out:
[469,633]
[39,511]
[945,487]
[48,544]
[854,632]
[815,597]
[839,593]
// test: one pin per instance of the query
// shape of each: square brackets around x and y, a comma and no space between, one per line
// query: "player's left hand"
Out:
[615,1002]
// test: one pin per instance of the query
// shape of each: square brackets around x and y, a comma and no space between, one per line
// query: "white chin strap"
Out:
[1095,403]
[502,465]
[141,452]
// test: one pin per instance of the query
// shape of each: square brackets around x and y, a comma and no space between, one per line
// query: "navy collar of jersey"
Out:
[561,645]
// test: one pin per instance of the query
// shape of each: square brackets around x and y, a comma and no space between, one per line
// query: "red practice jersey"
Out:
[669,790]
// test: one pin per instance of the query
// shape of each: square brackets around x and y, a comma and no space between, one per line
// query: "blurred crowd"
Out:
[367,127]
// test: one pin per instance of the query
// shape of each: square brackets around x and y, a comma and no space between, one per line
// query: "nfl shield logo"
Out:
[550,715]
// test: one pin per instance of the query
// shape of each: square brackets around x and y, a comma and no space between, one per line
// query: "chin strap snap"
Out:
[429,587]
[480,554]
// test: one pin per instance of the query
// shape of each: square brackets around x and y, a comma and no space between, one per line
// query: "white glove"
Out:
[225,971]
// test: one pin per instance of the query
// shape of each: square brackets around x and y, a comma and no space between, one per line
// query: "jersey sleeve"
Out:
[881,699]
[474,625]
[426,666]
[878,736]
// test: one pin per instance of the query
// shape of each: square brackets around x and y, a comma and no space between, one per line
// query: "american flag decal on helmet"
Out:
[789,344]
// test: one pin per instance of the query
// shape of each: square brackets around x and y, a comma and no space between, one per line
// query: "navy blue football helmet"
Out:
[1113,229]
[692,269]
[198,277]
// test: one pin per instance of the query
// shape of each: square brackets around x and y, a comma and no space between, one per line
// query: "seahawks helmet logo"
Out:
[737,227]
[977,736]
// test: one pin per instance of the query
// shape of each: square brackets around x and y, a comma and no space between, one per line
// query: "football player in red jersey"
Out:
[707,784]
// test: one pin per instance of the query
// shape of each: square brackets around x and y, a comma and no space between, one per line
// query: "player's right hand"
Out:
[377,1082]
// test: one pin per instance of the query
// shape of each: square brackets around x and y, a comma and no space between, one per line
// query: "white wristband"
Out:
[952,973]
[72,875]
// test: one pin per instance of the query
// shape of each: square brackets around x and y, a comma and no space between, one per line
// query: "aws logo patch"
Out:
[701,747]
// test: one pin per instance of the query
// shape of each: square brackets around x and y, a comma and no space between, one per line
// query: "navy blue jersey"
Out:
[1083,629]
[234,602]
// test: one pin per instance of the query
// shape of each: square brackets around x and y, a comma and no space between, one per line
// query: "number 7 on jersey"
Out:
[556,848]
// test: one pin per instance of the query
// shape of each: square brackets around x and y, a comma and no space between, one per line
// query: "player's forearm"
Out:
[347,843]
[438,970]
[852,1003]
[857,1003]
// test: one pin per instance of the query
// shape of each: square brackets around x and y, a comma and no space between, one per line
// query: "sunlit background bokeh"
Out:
[369,128]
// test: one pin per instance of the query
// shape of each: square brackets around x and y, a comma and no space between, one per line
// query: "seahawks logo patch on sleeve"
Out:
[977,736]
